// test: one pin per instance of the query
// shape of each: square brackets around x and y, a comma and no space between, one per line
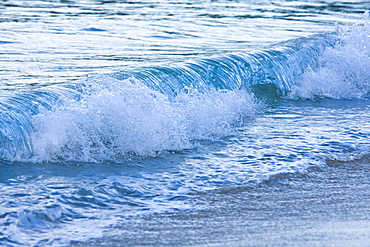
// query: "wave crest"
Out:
[117,118]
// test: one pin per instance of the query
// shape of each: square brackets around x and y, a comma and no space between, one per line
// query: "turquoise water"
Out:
[114,109]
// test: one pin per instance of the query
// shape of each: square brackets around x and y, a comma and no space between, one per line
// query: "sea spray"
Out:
[343,71]
[116,118]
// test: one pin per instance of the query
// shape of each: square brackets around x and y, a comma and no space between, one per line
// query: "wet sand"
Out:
[327,206]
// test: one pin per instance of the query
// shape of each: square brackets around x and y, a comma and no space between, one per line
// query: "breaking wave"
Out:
[169,108]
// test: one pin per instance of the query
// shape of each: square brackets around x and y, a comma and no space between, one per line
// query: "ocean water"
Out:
[112,110]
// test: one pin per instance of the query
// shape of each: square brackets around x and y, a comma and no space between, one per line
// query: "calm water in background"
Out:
[47,42]
[117,144]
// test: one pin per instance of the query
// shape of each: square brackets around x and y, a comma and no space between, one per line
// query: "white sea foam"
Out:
[344,70]
[120,117]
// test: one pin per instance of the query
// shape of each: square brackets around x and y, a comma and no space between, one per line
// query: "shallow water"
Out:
[326,206]
[111,110]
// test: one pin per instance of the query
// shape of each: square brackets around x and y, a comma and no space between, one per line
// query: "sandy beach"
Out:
[327,206]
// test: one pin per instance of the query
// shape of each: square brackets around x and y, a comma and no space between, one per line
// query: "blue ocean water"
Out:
[112,109]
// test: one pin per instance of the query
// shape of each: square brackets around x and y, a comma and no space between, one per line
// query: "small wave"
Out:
[151,110]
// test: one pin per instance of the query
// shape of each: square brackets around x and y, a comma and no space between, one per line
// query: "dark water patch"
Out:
[7,42]
[93,29]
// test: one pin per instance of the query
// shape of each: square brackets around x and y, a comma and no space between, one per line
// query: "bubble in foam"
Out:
[116,118]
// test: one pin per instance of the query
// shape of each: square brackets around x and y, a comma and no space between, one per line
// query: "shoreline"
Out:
[327,206]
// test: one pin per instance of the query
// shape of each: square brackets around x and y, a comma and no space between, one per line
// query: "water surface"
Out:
[113,112]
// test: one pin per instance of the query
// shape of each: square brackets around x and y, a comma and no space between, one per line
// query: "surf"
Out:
[151,110]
